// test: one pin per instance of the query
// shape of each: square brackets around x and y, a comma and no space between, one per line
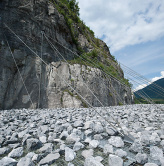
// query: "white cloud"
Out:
[140,87]
[157,78]
[152,80]
[124,22]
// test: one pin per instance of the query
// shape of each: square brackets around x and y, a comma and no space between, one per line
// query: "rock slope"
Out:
[77,137]
[28,19]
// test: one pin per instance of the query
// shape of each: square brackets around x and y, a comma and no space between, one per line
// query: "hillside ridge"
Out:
[153,90]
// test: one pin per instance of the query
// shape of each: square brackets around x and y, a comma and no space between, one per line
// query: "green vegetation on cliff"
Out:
[99,55]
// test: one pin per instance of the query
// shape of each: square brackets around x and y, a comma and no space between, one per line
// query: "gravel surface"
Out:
[77,137]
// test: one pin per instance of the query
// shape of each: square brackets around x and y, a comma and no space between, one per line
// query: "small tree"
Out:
[74,6]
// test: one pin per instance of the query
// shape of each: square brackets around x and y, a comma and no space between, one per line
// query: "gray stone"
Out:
[30,155]
[77,146]
[62,147]
[155,154]
[70,164]
[162,161]
[13,139]
[78,123]
[88,125]
[3,151]
[91,161]
[14,146]
[98,128]
[44,129]
[108,149]
[145,137]
[2,139]
[150,164]
[141,158]
[72,138]
[18,152]
[154,138]
[98,158]
[98,137]
[49,159]
[93,144]
[47,148]
[162,144]
[22,133]
[25,137]
[64,135]
[43,139]
[51,137]
[136,147]
[33,144]
[87,153]
[25,161]
[88,133]
[69,154]
[116,141]
[120,153]
[115,160]
[36,158]
[6,161]
[110,131]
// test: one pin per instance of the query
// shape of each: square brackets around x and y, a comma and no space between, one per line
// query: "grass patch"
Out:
[69,92]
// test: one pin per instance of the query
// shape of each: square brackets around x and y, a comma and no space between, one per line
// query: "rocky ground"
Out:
[77,137]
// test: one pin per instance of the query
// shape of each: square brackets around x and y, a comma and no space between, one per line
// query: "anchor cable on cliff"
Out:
[129,71]
[19,72]
[40,78]
[142,95]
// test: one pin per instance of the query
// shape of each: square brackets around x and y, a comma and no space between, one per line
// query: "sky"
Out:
[134,32]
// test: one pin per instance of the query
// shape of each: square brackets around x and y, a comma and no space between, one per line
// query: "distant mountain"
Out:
[154,90]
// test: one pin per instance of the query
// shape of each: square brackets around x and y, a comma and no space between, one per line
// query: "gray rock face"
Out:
[28,20]
[115,160]
[49,159]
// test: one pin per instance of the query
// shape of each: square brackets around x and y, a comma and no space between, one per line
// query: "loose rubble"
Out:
[80,137]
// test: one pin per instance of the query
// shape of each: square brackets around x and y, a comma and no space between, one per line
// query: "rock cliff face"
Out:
[28,19]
